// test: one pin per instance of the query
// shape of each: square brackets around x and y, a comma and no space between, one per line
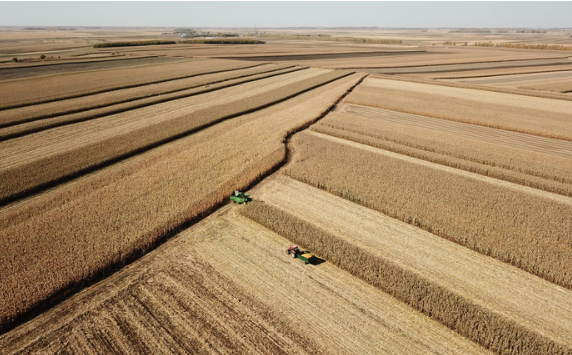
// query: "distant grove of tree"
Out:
[554,47]
[133,43]
[223,41]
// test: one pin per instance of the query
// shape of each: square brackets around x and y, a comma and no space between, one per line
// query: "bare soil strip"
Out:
[512,139]
[62,238]
[500,289]
[90,102]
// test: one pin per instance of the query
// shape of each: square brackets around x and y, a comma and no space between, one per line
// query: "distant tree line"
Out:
[223,41]
[133,43]
[553,47]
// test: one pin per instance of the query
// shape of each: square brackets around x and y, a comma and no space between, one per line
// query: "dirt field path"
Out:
[528,300]
[498,136]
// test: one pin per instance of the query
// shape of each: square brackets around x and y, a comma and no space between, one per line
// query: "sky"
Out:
[248,14]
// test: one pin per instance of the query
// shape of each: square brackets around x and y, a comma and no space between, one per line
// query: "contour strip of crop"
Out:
[95,101]
[525,227]
[501,160]
[41,90]
[54,169]
[539,116]
[58,240]
[81,116]
[489,329]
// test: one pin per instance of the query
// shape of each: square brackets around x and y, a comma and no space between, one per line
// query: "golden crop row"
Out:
[529,168]
[504,221]
[86,108]
[537,116]
[31,91]
[56,168]
[90,102]
[491,330]
[77,232]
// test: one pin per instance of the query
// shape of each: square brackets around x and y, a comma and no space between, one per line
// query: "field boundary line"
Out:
[487,179]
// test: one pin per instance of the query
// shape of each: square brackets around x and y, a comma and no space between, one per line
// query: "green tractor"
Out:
[305,256]
[240,197]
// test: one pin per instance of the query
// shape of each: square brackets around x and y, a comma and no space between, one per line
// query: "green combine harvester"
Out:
[240,197]
[305,256]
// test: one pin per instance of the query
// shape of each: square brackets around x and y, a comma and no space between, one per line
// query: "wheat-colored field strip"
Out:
[22,92]
[522,313]
[57,153]
[499,160]
[121,108]
[538,144]
[84,103]
[483,73]
[560,81]
[533,115]
[199,290]
[57,239]
[525,227]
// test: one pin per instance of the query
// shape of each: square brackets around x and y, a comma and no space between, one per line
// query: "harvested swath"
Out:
[494,72]
[197,290]
[39,90]
[524,159]
[59,239]
[525,227]
[53,162]
[533,115]
[494,304]
[85,107]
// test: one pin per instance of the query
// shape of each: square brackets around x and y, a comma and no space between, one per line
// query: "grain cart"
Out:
[239,197]
[305,256]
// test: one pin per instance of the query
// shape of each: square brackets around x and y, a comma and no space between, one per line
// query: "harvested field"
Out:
[32,91]
[41,159]
[503,308]
[532,115]
[522,226]
[199,290]
[497,72]
[534,161]
[125,209]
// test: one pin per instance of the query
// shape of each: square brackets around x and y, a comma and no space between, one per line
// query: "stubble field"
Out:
[435,194]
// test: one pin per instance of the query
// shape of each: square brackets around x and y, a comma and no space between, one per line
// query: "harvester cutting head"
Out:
[239,197]
[305,256]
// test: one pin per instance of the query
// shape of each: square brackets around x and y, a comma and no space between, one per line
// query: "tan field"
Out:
[429,176]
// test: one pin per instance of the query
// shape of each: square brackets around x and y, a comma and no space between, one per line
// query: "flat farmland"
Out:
[436,194]
[161,191]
